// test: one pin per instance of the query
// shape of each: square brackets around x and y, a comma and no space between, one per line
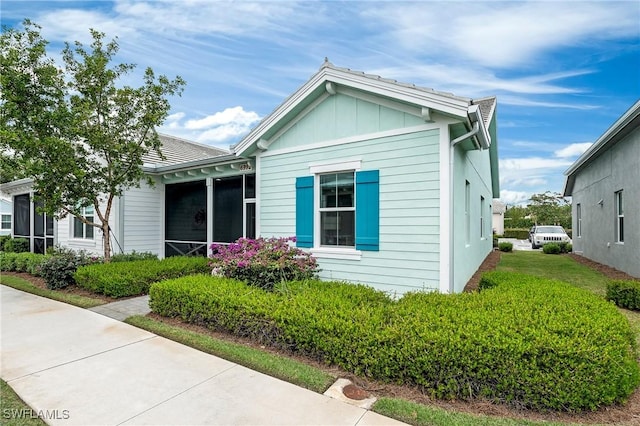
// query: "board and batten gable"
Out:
[402,148]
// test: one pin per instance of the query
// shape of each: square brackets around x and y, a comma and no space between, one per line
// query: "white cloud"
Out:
[514,197]
[503,34]
[220,129]
[236,115]
[573,150]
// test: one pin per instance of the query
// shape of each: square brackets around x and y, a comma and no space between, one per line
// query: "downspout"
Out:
[472,133]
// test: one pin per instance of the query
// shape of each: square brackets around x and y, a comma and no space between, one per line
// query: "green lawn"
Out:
[557,267]
[13,411]
[72,299]
[563,268]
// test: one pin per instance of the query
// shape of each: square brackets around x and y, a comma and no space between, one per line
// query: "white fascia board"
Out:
[450,105]
[17,186]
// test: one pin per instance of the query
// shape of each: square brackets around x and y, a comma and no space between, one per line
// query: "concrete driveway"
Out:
[519,245]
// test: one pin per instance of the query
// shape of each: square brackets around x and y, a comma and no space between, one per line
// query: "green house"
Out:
[387,184]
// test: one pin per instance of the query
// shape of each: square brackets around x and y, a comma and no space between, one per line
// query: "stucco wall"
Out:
[614,170]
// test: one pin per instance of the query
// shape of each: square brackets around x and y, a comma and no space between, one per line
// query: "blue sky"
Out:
[563,72]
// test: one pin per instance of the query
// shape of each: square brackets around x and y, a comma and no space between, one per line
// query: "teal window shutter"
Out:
[304,211]
[368,210]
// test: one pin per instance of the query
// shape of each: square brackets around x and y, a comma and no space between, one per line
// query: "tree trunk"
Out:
[106,242]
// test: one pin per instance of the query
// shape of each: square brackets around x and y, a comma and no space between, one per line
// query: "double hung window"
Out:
[82,230]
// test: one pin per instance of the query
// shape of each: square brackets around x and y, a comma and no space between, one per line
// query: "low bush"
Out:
[505,246]
[625,294]
[3,241]
[123,279]
[8,261]
[263,262]
[17,245]
[529,342]
[551,248]
[133,256]
[58,269]
[519,233]
[565,247]
[30,263]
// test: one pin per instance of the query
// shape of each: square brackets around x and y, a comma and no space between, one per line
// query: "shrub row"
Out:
[122,279]
[557,248]
[520,234]
[58,269]
[22,262]
[505,246]
[529,342]
[625,294]
[13,245]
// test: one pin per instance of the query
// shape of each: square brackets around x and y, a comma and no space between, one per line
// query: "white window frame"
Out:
[579,220]
[84,237]
[2,222]
[619,215]
[317,169]
[467,212]
[482,219]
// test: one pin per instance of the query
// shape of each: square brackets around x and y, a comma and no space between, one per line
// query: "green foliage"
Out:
[529,342]
[59,268]
[625,294]
[8,261]
[516,217]
[550,208]
[122,279]
[551,248]
[520,234]
[505,246]
[263,262]
[133,256]
[16,245]
[3,241]
[565,247]
[46,109]
[29,262]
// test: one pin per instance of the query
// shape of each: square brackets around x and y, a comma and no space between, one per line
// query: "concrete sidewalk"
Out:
[77,367]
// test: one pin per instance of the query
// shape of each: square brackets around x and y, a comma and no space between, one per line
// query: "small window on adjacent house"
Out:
[578,220]
[482,217]
[6,222]
[81,229]
[337,209]
[467,212]
[619,207]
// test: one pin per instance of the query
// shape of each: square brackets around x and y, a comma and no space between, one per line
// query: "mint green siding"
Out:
[470,245]
[342,116]
[408,165]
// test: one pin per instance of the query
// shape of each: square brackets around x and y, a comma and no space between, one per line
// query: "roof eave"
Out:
[448,104]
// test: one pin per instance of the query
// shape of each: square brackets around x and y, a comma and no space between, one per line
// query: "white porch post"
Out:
[209,213]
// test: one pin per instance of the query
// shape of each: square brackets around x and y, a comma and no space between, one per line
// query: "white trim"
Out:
[258,184]
[335,166]
[355,138]
[446,210]
[210,224]
[336,253]
[163,218]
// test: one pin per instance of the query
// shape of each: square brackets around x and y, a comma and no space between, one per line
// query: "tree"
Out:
[550,208]
[74,130]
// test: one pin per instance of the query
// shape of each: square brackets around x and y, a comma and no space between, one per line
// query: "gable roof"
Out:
[177,150]
[331,79]
[629,121]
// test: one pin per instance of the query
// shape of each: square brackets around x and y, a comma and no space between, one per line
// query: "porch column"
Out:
[209,213]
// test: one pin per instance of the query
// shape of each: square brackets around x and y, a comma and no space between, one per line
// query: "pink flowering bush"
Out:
[262,262]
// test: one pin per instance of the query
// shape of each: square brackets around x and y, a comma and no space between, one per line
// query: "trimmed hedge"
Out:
[520,234]
[22,262]
[625,294]
[16,245]
[505,246]
[528,342]
[123,279]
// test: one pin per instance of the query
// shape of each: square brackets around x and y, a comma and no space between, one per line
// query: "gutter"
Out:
[481,139]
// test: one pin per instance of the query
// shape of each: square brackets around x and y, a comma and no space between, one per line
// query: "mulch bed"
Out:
[629,414]
[605,270]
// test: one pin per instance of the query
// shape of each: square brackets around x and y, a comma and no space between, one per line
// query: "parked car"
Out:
[548,234]
[531,231]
